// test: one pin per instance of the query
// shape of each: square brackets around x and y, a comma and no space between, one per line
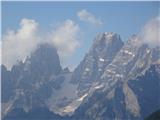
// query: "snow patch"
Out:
[119,75]
[101,59]
[108,70]
[98,86]
[148,51]
[129,53]
[81,98]
[68,109]
[109,35]
[125,63]
[87,69]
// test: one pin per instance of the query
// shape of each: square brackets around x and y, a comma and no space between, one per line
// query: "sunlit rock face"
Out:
[115,80]
[133,60]
[30,83]
[101,54]
[135,99]
[83,81]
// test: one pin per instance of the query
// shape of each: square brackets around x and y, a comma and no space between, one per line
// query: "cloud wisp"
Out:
[65,38]
[150,32]
[86,16]
[17,45]
[20,43]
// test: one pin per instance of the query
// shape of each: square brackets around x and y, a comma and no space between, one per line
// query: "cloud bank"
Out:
[16,45]
[20,43]
[65,38]
[86,16]
[150,34]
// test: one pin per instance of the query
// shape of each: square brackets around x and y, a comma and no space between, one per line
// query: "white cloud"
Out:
[86,16]
[150,34]
[16,45]
[65,38]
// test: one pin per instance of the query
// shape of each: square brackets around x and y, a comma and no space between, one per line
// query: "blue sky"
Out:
[124,18]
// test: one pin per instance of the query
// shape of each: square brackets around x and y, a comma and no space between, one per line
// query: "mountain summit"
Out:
[102,52]
[113,81]
[29,83]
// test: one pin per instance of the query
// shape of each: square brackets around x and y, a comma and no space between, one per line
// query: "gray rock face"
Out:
[133,60]
[111,82]
[135,99]
[30,83]
[6,82]
[101,54]
[85,76]
[146,88]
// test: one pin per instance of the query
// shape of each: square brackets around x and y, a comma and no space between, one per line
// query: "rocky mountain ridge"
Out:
[102,82]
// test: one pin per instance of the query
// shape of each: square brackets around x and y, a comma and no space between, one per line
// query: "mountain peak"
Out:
[106,38]
[104,49]
[46,58]
[110,34]
[104,76]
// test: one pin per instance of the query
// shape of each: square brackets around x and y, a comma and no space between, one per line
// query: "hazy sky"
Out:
[85,18]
